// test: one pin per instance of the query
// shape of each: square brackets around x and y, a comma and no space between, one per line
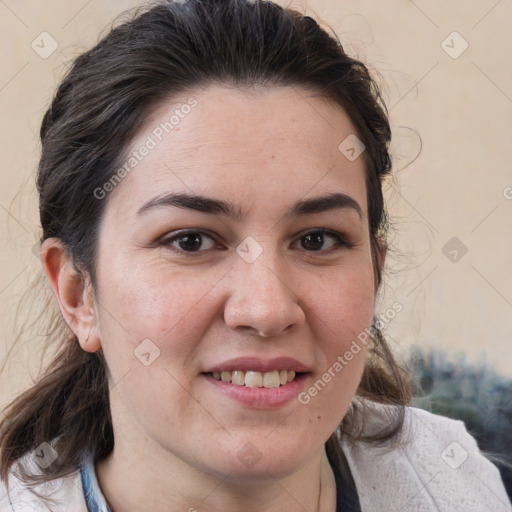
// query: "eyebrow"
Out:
[208,205]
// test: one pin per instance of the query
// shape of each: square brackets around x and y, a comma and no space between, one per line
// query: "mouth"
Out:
[259,383]
[254,379]
[258,390]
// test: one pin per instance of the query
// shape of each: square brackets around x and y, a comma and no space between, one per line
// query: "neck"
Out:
[161,483]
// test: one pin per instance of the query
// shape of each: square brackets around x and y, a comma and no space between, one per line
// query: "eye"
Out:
[316,240]
[188,241]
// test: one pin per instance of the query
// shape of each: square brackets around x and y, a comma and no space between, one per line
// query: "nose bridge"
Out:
[265,277]
[261,297]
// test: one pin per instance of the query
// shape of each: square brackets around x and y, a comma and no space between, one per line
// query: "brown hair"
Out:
[100,105]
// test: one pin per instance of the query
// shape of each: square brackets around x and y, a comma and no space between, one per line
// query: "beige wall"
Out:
[460,185]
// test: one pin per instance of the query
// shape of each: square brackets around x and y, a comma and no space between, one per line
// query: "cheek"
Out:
[344,306]
[341,320]
[170,309]
[341,316]
[151,328]
[343,331]
[153,297]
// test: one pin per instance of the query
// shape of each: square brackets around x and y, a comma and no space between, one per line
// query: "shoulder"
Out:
[435,464]
[59,495]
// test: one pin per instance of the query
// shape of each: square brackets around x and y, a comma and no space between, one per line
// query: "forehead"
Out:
[271,142]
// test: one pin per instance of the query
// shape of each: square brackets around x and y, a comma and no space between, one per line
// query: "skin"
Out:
[177,439]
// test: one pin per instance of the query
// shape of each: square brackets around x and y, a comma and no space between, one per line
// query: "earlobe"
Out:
[73,292]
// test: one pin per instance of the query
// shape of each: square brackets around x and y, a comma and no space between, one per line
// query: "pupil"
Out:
[314,241]
[190,242]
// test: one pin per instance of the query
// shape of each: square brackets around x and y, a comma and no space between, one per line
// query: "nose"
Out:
[262,301]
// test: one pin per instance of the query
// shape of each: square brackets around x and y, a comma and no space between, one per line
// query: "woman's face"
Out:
[221,252]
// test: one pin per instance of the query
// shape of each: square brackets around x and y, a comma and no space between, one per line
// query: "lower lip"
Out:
[260,398]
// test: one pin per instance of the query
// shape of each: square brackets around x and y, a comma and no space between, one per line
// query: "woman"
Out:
[213,233]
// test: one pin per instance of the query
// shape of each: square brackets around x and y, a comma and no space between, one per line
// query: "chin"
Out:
[251,464]
[264,471]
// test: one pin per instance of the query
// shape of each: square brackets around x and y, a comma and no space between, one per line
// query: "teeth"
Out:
[271,379]
[252,379]
[238,378]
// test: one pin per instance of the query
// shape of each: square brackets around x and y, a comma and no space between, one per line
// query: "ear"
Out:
[73,292]
[379,256]
[381,253]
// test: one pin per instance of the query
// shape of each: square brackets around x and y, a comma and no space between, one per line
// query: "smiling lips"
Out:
[253,379]
[255,372]
[259,383]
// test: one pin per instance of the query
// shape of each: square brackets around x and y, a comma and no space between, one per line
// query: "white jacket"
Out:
[437,467]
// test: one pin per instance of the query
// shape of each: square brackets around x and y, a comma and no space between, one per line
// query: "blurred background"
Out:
[445,73]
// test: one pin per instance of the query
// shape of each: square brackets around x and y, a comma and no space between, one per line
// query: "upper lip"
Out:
[257,364]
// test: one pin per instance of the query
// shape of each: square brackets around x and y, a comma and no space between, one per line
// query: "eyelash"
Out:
[340,241]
